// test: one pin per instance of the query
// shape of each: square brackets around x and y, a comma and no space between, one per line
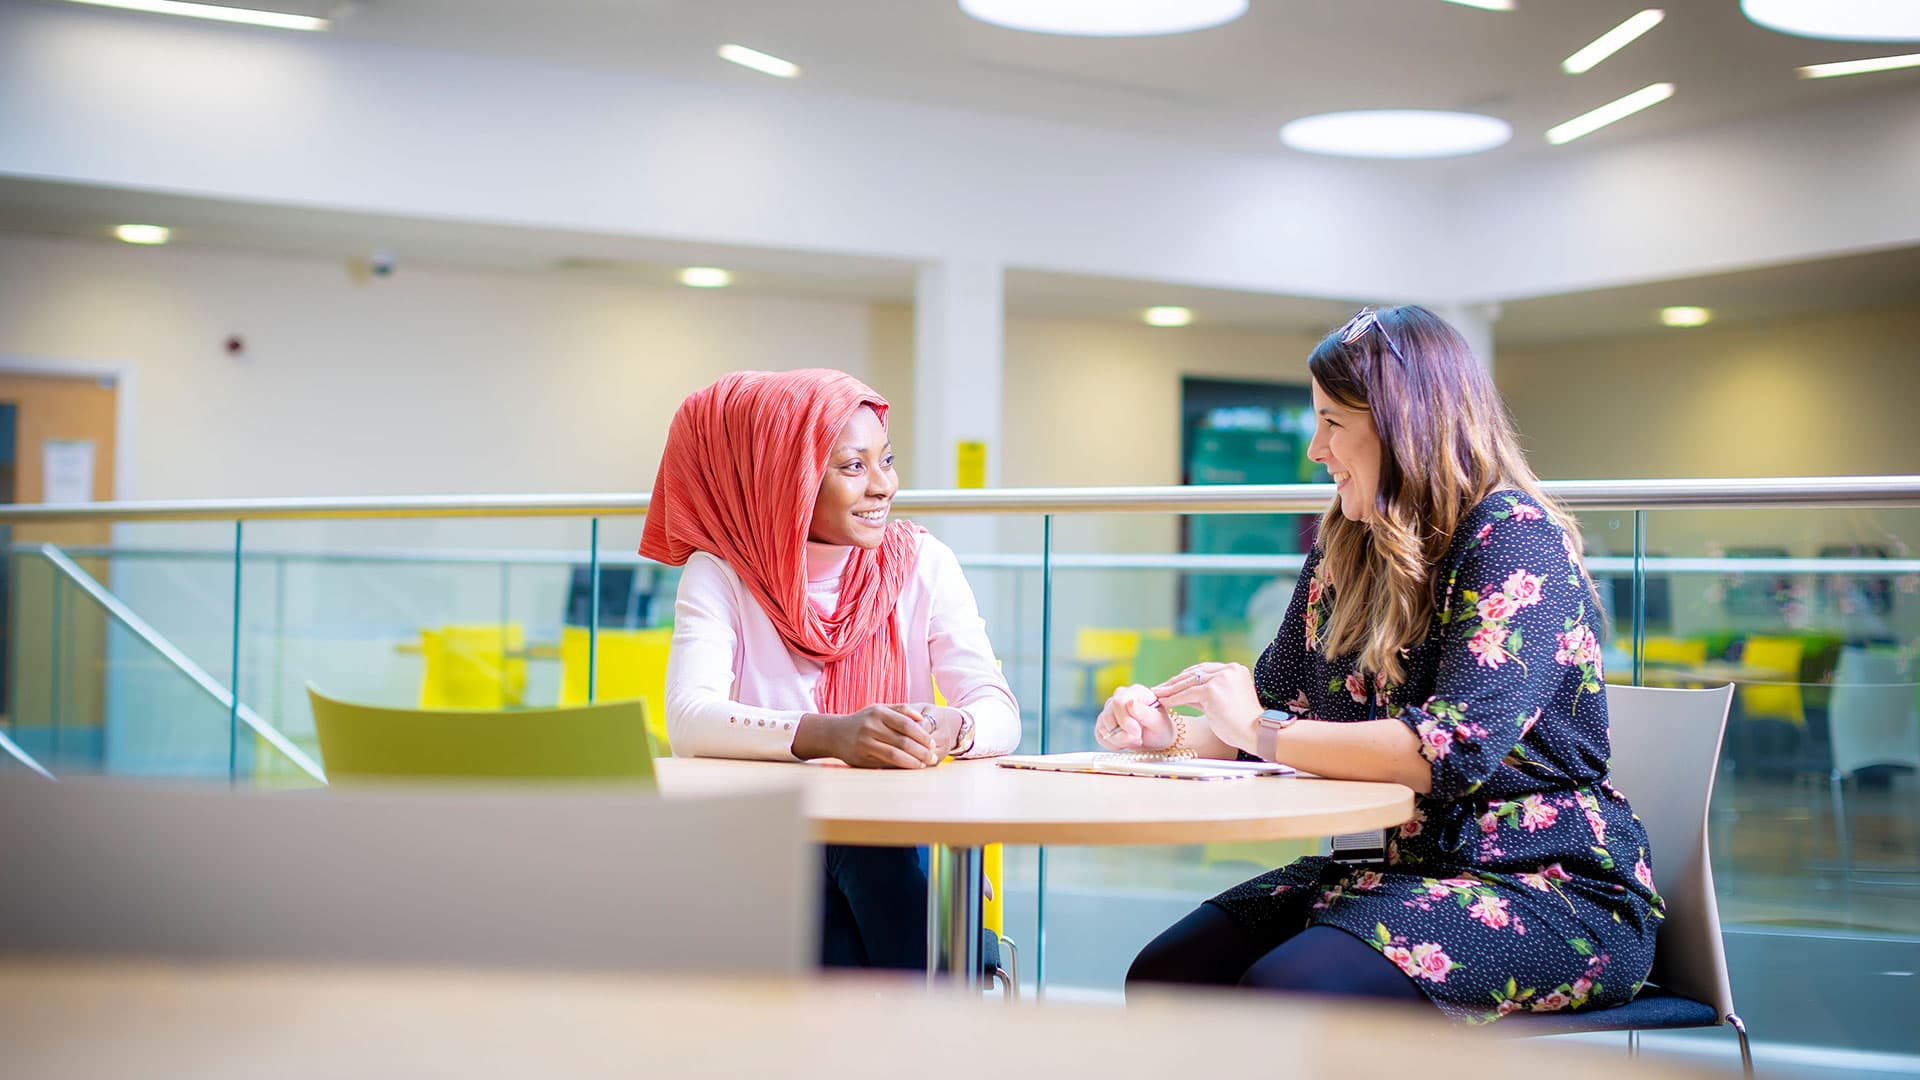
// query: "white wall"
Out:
[1773,189]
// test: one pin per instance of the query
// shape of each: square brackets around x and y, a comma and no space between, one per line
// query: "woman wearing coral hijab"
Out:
[809,626]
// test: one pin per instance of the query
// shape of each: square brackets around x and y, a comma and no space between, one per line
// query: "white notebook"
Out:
[1179,765]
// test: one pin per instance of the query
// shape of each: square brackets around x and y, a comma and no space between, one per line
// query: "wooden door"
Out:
[56,659]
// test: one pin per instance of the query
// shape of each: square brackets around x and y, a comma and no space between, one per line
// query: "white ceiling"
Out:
[1232,86]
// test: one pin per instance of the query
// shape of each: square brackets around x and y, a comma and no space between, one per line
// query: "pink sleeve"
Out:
[962,658]
[702,718]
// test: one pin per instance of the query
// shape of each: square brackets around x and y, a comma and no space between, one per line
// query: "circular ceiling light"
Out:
[143,234]
[1686,316]
[1396,133]
[1838,20]
[1106,18]
[1167,316]
[705,277]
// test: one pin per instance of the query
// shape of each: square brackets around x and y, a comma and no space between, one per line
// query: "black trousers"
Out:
[873,911]
[1207,948]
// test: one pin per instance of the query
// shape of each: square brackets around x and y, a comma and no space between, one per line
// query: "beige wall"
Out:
[431,381]
[1813,397]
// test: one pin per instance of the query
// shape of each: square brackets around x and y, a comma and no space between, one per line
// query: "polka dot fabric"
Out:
[1522,882]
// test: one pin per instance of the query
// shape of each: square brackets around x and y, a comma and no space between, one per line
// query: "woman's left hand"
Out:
[1224,694]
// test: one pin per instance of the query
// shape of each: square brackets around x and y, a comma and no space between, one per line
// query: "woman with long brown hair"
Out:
[1444,635]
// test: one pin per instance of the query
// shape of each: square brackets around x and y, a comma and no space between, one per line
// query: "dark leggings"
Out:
[1207,948]
[873,911]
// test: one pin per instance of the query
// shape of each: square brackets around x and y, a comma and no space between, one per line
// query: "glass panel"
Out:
[446,612]
[94,695]
[1124,611]
[1815,616]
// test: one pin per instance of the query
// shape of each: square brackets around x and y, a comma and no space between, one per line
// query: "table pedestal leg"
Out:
[954,915]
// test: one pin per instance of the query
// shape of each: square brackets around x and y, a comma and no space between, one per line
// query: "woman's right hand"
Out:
[876,737]
[1134,720]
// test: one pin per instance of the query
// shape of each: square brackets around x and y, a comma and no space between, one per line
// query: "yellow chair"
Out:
[628,664]
[1106,655]
[1777,701]
[591,742]
[474,667]
[993,909]
[1684,652]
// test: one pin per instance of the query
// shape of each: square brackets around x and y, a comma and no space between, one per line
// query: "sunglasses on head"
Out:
[1357,328]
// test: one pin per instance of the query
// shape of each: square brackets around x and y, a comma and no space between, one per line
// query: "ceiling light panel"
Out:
[1860,67]
[1612,112]
[1612,41]
[1396,133]
[1106,18]
[764,63]
[1838,20]
[218,12]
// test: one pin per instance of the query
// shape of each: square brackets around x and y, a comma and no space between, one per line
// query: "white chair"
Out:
[1872,721]
[581,878]
[1666,751]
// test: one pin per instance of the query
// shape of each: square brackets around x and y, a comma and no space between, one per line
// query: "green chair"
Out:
[603,742]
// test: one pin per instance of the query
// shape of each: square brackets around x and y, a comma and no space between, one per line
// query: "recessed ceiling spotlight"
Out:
[217,12]
[143,234]
[1106,18]
[1396,133]
[1859,67]
[759,61]
[705,277]
[1485,5]
[1685,316]
[1612,42]
[1167,316]
[1838,20]
[1612,111]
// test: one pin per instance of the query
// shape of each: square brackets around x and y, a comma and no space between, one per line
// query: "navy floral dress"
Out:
[1522,882]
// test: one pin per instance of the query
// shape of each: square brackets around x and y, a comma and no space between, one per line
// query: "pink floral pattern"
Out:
[1523,882]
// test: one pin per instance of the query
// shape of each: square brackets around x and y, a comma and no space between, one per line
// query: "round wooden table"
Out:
[962,806]
[156,1021]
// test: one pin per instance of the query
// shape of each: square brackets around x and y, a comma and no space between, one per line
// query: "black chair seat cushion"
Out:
[1653,1009]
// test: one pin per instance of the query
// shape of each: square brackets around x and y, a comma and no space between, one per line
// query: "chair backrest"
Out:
[587,742]
[1872,713]
[1779,700]
[473,667]
[572,878]
[1666,750]
[627,664]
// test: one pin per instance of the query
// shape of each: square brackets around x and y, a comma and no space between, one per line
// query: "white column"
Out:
[1475,323]
[958,325]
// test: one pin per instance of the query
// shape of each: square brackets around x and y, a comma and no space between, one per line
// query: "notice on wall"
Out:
[68,469]
[971,465]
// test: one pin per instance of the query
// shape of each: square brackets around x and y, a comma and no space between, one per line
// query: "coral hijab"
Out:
[738,480]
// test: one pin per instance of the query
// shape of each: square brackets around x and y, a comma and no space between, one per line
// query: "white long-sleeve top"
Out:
[735,690]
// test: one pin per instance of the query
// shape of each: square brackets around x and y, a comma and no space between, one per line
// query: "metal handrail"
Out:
[171,653]
[12,749]
[1745,493]
[1183,561]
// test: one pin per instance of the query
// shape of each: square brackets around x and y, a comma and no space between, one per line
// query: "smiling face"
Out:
[1345,441]
[857,492]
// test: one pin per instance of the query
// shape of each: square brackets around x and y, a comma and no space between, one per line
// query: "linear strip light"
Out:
[278,20]
[1860,67]
[761,62]
[1612,42]
[1485,5]
[1588,123]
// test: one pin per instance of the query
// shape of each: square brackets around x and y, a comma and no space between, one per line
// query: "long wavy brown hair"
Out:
[1447,443]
